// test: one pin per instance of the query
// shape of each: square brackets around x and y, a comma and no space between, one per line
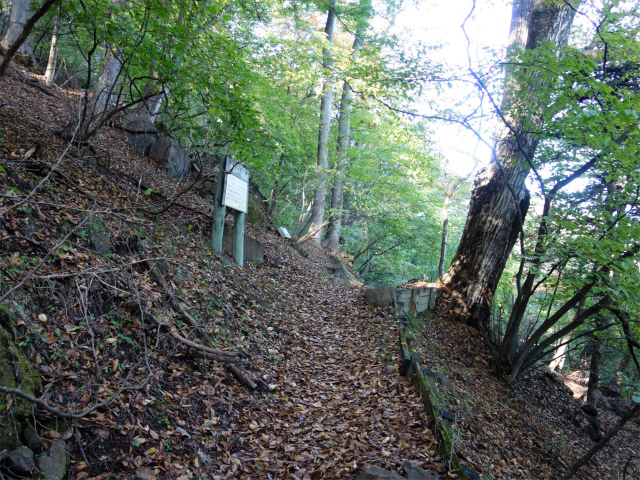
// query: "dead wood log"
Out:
[241,376]
[223,356]
[174,301]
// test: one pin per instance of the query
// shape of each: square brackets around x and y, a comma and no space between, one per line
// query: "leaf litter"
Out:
[323,407]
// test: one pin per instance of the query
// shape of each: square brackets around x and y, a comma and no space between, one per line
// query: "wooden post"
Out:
[219,211]
[413,304]
[238,237]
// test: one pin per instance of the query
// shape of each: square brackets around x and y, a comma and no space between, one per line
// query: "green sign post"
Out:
[232,191]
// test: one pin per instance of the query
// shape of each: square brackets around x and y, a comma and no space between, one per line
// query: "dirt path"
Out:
[333,409]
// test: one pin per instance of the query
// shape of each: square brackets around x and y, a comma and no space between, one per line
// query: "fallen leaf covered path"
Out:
[332,409]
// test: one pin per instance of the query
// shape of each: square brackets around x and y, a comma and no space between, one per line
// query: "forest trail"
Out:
[333,408]
[324,408]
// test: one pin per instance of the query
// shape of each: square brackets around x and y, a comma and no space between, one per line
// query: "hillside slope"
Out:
[89,318]
[90,237]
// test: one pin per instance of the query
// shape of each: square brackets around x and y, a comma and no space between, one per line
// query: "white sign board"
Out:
[236,193]
[284,233]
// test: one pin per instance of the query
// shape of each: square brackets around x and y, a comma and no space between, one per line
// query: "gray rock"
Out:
[100,242]
[142,142]
[416,473]
[253,250]
[171,156]
[380,296]
[138,123]
[471,473]
[389,369]
[20,461]
[31,438]
[377,474]
[53,464]
[602,401]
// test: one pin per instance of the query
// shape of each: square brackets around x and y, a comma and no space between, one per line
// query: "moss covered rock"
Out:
[15,370]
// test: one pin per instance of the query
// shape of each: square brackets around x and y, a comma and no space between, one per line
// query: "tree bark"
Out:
[24,34]
[560,354]
[107,79]
[20,12]
[623,365]
[271,214]
[594,369]
[50,73]
[332,239]
[499,199]
[320,192]
[445,233]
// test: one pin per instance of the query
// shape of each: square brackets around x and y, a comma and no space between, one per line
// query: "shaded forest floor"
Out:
[324,406]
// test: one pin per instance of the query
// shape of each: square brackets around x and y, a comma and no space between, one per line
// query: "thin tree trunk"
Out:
[304,217]
[53,53]
[320,192]
[632,413]
[623,365]
[595,349]
[445,232]
[499,199]
[274,192]
[560,354]
[332,239]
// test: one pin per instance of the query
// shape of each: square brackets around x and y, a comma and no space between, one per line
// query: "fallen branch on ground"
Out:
[223,356]
[45,406]
[174,302]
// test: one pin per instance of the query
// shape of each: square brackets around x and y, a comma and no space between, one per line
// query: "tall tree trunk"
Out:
[107,82]
[105,91]
[332,239]
[50,73]
[560,354]
[445,232]
[271,214]
[595,349]
[623,365]
[320,192]
[499,199]
[20,12]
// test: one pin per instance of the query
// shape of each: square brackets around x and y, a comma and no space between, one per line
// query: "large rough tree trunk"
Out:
[320,193]
[107,82]
[499,199]
[105,92]
[332,239]
[20,13]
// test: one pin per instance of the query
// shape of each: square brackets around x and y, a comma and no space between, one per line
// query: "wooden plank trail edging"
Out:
[411,367]
[417,300]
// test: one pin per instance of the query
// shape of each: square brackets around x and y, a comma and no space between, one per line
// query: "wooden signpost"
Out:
[232,191]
